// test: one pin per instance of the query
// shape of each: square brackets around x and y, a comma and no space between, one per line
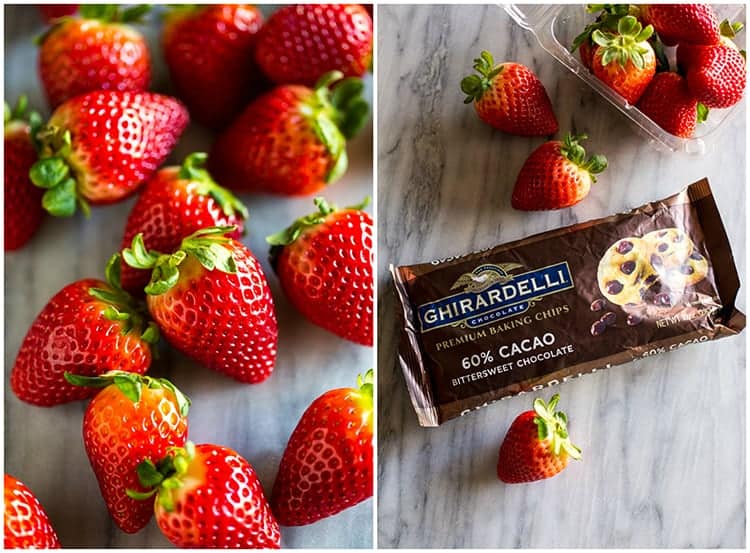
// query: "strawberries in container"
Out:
[97,51]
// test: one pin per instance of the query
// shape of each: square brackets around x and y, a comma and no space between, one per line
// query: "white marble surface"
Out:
[664,438]
[43,447]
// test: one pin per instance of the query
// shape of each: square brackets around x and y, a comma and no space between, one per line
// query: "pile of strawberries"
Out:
[627,46]
[284,96]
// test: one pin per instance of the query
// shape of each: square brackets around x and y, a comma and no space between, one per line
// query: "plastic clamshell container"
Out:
[556,26]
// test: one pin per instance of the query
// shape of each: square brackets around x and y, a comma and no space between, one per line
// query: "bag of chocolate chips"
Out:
[544,309]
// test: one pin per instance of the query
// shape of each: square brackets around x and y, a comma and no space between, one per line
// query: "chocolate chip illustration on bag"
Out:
[548,308]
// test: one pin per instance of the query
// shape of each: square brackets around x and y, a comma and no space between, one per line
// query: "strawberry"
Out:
[300,43]
[327,464]
[209,51]
[50,12]
[509,97]
[537,445]
[96,51]
[556,175]
[27,526]
[682,23]
[325,264]
[174,203]
[668,102]
[101,146]
[132,419]
[607,19]
[87,328]
[625,61]
[292,140]
[208,496]
[716,75]
[688,53]
[211,301]
[23,200]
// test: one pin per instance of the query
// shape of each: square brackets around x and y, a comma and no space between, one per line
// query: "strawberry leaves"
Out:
[209,246]
[630,43]
[474,86]
[192,169]
[131,385]
[576,153]
[552,427]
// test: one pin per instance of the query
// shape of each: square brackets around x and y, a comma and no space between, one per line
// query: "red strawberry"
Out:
[716,75]
[50,12]
[688,53]
[210,54]
[625,61]
[23,200]
[208,496]
[325,264]
[26,524]
[682,23]
[101,146]
[509,97]
[556,175]
[211,301]
[134,418]
[292,140]
[668,102]
[176,202]
[327,464]
[87,328]
[300,43]
[537,445]
[586,51]
[96,51]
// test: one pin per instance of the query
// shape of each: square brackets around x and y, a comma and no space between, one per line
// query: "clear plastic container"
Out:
[555,27]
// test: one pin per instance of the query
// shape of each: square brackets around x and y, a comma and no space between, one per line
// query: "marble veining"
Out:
[664,438]
[43,447]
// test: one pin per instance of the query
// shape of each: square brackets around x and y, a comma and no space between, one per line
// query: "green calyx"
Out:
[131,385]
[53,172]
[131,313]
[474,86]
[164,477]
[729,30]
[336,114]
[366,383]
[292,232]
[20,113]
[192,169]
[574,152]
[629,43]
[114,13]
[608,18]
[552,426]
[701,113]
[208,246]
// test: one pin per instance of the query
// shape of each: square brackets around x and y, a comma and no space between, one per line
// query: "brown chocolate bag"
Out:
[551,307]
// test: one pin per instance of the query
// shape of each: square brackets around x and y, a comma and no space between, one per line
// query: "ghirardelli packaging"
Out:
[548,308]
